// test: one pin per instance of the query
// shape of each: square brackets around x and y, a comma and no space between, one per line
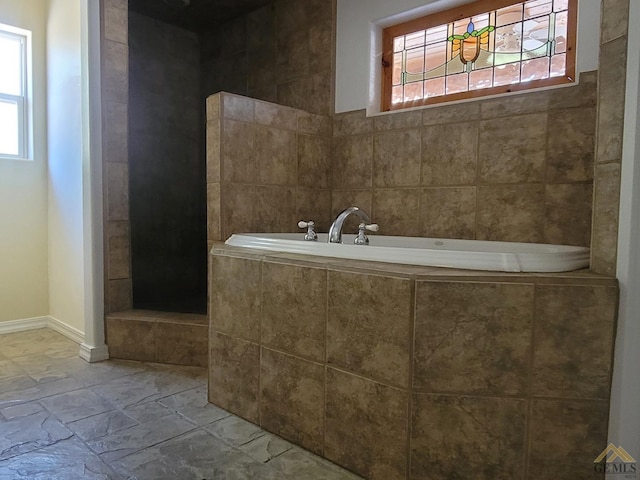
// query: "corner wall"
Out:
[65,139]
[23,189]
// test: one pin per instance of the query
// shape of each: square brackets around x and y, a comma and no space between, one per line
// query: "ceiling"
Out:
[196,15]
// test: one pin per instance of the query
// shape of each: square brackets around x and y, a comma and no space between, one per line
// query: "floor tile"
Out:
[30,432]
[144,435]
[193,405]
[235,430]
[65,460]
[76,405]
[127,420]
[299,464]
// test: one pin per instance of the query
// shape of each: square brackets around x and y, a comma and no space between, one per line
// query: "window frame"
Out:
[459,13]
[22,101]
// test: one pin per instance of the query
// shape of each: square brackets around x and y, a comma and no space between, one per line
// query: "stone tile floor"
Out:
[63,418]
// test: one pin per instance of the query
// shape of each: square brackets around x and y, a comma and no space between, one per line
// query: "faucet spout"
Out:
[335,232]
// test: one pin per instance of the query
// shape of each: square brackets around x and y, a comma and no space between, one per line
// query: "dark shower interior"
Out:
[171,72]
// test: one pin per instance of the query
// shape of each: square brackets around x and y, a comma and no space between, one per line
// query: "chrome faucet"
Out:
[335,232]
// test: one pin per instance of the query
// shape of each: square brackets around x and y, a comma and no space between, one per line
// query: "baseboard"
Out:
[23,324]
[93,354]
[68,331]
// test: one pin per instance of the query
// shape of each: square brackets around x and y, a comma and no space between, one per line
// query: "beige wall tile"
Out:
[214,151]
[366,426]
[235,288]
[238,151]
[118,295]
[314,161]
[574,333]
[399,208]
[277,116]
[276,156]
[131,339]
[511,213]
[448,212]
[319,99]
[115,125]
[117,191]
[606,204]
[292,399]
[615,20]
[451,113]
[313,124]
[115,73]
[584,94]
[444,165]
[352,162]
[214,107]
[352,123]
[396,158]
[571,145]
[182,344]
[313,204]
[237,209]
[398,120]
[275,209]
[116,21]
[518,104]
[565,438]
[512,150]
[293,93]
[118,250]
[611,95]
[234,375]
[294,309]
[467,437]
[368,330]
[214,210]
[472,338]
[239,108]
[568,214]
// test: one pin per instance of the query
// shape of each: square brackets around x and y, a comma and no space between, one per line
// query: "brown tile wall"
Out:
[610,122]
[115,93]
[267,167]
[427,374]
[514,169]
[162,337]
[282,53]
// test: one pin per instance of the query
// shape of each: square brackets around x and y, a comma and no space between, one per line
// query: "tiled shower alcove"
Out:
[399,372]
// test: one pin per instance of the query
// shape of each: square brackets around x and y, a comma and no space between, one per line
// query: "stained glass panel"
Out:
[518,43]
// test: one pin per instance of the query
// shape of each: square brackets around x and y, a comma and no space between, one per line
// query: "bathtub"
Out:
[433,252]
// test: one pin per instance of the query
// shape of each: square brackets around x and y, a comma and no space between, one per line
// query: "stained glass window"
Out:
[487,47]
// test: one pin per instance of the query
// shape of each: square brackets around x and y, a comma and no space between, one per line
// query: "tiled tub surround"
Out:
[413,372]
[267,167]
[516,168]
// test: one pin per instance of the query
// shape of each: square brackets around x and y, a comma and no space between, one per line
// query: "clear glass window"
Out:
[14,141]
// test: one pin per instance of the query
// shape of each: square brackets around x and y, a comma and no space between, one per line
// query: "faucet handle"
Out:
[311,235]
[361,238]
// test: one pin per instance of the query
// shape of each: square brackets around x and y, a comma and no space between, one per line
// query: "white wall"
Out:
[23,189]
[624,423]
[360,21]
[65,137]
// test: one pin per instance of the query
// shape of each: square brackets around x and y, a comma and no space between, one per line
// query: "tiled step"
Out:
[162,337]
